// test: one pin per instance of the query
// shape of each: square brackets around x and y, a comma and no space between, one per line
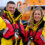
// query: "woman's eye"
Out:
[38,14]
[35,14]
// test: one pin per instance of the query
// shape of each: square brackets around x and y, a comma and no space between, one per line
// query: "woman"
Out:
[36,25]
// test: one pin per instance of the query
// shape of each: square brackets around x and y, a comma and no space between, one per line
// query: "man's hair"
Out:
[10,2]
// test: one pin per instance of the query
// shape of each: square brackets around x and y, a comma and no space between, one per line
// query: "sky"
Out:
[4,2]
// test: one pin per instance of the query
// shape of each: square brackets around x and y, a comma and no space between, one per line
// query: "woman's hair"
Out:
[31,20]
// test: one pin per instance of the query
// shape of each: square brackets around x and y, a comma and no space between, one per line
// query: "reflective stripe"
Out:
[6,21]
[5,30]
[42,38]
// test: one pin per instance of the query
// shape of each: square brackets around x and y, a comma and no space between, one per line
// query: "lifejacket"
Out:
[39,39]
[12,20]
[30,32]
[39,35]
[35,32]
[21,37]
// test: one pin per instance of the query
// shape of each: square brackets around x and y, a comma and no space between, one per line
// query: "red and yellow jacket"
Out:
[37,35]
[9,31]
[12,20]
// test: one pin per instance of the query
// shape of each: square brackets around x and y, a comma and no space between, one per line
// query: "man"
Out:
[10,7]
[11,12]
[14,17]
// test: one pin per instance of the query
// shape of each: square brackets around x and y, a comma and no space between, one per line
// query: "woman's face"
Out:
[37,15]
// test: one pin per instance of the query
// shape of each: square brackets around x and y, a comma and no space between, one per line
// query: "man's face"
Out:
[11,8]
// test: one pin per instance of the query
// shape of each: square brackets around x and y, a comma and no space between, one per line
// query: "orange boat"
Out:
[27,7]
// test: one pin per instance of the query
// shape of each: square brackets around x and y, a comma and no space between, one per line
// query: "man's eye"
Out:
[10,7]
[13,8]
